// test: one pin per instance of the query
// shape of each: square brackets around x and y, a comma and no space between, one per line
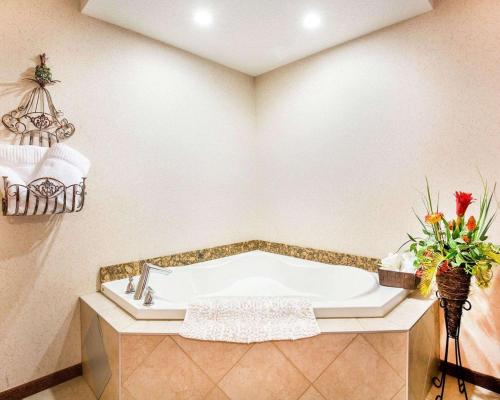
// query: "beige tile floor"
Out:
[77,389]
[451,392]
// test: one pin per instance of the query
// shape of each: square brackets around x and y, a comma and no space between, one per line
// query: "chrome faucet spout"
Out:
[144,279]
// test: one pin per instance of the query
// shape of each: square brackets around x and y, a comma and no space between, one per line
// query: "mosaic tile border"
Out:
[324,256]
[120,271]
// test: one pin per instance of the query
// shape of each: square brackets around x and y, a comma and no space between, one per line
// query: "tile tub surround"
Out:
[364,358]
[120,271]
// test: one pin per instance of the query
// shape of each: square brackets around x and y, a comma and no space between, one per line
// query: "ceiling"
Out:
[254,36]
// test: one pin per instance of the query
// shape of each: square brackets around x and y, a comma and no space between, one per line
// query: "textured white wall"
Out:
[346,138]
[171,140]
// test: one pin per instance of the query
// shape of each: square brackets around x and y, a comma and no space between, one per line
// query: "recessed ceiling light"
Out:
[203,17]
[311,21]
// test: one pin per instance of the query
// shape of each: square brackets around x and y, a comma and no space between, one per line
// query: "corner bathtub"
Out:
[334,290]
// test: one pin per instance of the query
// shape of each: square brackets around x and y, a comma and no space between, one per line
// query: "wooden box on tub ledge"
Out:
[399,279]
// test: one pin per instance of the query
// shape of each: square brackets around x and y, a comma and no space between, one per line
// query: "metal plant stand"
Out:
[455,335]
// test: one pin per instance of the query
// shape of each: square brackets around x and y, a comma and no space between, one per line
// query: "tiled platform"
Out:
[388,358]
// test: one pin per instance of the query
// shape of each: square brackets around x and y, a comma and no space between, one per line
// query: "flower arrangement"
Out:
[455,246]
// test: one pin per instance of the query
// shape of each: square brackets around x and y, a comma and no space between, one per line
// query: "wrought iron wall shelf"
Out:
[42,196]
[37,122]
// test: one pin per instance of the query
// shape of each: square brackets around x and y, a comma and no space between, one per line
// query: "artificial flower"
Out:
[454,245]
[433,218]
[463,201]
[471,223]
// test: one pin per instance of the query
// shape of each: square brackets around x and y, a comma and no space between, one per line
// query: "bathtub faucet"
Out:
[144,279]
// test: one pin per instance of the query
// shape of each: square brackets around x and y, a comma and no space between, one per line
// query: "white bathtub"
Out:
[334,290]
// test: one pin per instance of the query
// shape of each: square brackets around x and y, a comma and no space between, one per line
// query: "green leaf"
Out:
[429,197]
[419,220]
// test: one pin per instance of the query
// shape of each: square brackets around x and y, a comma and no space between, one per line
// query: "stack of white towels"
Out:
[24,164]
[399,262]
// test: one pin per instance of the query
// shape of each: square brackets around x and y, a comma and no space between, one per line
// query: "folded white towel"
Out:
[22,159]
[249,319]
[25,164]
[64,164]
[68,166]
[13,180]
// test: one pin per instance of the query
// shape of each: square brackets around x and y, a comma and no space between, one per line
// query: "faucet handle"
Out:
[148,298]
[130,286]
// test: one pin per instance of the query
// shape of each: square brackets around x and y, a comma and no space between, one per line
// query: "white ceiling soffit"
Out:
[254,36]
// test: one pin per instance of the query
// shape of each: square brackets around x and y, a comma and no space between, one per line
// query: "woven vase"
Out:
[454,286]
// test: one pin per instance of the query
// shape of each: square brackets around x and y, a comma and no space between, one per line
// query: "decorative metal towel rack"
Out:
[42,196]
[38,122]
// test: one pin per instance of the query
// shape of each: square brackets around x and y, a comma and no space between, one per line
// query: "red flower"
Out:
[463,201]
[471,223]
[443,267]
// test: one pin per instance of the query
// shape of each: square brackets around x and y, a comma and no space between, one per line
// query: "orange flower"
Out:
[471,223]
[451,225]
[466,239]
[433,218]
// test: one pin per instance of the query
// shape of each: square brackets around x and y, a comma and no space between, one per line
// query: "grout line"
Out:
[335,358]
[195,364]
[304,392]
[383,358]
[128,393]
[251,345]
[382,355]
[293,365]
[290,361]
[317,390]
[399,390]
[216,383]
[145,358]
